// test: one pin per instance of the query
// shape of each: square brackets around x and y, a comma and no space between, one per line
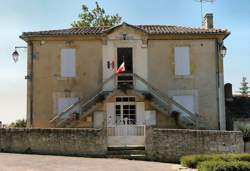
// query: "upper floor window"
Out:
[182,61]
[68,63]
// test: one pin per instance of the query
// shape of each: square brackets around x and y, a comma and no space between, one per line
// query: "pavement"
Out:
[28,162]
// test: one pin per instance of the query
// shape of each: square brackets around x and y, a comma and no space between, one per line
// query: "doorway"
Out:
[126,78]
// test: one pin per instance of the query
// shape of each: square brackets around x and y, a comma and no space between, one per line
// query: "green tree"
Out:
[20,123]
[244,89]
[96,17]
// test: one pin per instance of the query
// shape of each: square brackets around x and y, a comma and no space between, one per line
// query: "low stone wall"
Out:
[79,142]
[247,146]
[168,145]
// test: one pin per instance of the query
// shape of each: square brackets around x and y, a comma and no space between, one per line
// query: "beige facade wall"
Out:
[157,55]
[48,85]
[161,73]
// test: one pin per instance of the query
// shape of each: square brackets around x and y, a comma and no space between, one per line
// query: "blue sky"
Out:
[17,16]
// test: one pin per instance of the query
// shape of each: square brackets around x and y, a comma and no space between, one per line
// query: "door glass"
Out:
[125,110]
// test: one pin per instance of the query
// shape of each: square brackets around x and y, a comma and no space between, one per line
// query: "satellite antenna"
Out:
[202,2]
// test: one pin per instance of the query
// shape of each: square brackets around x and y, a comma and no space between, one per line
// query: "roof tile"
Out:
[150,29]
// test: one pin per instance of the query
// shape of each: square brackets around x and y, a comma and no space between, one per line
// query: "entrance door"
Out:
[125,55]
[125,130]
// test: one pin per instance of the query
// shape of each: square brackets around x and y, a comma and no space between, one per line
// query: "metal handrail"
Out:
[170,100]
[164,98]
[79,102]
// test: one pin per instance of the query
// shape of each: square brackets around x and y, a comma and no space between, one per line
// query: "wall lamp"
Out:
[15,54]
[223,51]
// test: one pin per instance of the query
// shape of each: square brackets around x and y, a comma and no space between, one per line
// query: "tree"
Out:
[244,89]
[20,123]
[96,17]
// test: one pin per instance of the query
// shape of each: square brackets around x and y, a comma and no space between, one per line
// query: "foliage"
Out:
[20,123]
[246,132]
[96,17]
[213,165]
[192,161]
[244,89]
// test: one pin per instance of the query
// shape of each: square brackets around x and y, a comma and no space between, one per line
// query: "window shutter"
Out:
[140,113]
[98,119]
[182,61]
[68,63]
[186,101]
[110,114]
[150,117]
[65,102]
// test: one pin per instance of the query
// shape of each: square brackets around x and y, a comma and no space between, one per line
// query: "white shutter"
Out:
[150,117]
[186,101]
[140,113]
[64,102]
[98,119]
[182,61]
[110,114]
[68,63]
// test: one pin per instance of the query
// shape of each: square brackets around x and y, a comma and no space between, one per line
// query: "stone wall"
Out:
[169,145]
[79,142]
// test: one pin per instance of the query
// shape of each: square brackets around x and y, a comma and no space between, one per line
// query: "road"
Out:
[26,162]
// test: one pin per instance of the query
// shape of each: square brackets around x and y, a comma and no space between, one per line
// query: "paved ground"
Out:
[23,162]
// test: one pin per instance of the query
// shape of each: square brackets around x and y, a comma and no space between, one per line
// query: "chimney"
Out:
[208,21]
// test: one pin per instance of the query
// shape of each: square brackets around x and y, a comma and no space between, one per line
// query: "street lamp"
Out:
[223,51]
[15,54]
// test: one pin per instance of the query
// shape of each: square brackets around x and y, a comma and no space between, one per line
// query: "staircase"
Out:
[159,100]
[131,153]
[163,103]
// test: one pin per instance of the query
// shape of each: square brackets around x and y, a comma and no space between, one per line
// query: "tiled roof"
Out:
[149,29]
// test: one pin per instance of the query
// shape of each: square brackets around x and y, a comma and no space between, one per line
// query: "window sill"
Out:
[183,77]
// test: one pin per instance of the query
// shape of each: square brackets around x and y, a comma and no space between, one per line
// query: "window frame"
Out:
[184,73]
[63,61]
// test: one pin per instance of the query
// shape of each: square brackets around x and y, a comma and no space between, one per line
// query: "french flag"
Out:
[121,68]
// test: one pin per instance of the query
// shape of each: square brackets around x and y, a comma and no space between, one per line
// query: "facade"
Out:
[173,77]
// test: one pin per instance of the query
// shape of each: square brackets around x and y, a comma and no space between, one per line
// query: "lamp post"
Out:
[15,54]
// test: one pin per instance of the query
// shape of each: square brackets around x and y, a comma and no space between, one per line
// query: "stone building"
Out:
[173,78]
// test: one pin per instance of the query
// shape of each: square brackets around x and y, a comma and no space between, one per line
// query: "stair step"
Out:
[129,156]
[126,148]
[126,152]
[132,153]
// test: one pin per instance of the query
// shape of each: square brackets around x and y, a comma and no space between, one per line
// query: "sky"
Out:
[17,16]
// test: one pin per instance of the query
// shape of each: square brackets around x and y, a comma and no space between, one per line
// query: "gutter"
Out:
[31,75]
[217,79]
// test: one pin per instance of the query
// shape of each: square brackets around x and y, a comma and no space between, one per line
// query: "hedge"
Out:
[223,166]
[192,161]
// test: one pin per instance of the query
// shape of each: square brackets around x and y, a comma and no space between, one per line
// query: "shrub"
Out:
[246,132]
[224,166]
[192,161]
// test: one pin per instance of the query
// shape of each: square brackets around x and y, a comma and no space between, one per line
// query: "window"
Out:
[68,63]
[182,61]
[185,101]
[64,102]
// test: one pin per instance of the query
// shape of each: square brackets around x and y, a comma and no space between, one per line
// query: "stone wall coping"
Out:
[193,130]
[51,129]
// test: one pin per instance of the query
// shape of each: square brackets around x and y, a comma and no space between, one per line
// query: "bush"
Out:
[192,161]
[224,166]
[20,123]
[246,132]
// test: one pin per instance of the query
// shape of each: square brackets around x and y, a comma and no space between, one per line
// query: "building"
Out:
[173,77]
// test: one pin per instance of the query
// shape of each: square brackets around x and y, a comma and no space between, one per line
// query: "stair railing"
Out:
[82,102]
[156,92]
